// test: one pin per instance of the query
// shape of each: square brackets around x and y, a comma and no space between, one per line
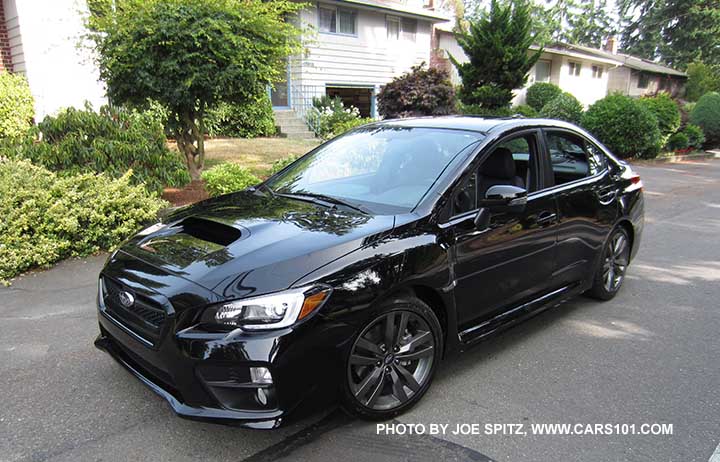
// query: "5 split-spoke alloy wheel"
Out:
[392,361]
[614,263]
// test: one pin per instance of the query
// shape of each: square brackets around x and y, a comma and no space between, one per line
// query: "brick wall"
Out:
[5,56]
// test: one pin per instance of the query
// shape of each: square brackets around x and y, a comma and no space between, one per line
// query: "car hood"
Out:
[246,244]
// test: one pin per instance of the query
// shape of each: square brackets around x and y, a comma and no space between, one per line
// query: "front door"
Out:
[512,260]
[279,93]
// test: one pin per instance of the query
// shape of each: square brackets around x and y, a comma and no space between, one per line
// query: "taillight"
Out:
[635,179]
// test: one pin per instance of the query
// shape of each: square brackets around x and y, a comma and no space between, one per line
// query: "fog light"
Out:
[262,397]
[260,375]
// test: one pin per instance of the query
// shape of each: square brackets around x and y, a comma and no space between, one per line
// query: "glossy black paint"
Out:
[478,281]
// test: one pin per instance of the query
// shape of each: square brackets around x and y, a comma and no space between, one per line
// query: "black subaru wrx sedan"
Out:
[355,270]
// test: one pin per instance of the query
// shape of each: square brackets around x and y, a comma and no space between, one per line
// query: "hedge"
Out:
[48,217]
[16,105]
[540,93]
[706,115]
[563,107]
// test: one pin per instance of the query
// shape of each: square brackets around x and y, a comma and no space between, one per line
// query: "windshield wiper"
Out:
[322,199]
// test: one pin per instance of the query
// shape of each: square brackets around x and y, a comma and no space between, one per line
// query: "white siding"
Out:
[44,37]
[368,59]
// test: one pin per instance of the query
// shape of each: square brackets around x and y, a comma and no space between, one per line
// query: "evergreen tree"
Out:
[496,44]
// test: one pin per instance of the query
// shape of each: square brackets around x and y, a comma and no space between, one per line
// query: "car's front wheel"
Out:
[392,361]
[613,264]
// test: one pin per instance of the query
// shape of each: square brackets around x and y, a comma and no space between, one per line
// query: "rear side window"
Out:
[572,157]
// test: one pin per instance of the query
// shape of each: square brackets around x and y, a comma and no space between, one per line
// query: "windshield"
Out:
[390,167]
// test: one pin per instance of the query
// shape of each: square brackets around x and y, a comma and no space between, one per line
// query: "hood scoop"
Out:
[209,231]
[194,240]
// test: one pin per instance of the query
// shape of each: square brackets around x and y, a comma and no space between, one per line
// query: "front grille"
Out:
[144,317]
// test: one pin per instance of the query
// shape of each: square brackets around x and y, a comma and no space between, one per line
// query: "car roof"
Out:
[475,123]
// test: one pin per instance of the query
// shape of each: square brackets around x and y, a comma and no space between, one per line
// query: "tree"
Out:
[580,22]
[496,44]
[676,32]
[701,79]
[190,56]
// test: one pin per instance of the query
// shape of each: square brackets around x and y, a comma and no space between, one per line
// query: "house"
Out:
[41,39]
[587,73]
[353,48]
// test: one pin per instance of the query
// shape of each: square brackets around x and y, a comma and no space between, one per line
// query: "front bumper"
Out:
[205,375]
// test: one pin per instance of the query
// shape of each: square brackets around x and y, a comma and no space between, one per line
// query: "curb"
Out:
[675,158]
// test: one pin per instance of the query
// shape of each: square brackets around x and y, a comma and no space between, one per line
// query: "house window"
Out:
[409,29]
[337,20]
[393,27]
[597,72]
[574,68]
[643,80]
[542,71]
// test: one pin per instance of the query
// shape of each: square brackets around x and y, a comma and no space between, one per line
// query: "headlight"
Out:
[269,311]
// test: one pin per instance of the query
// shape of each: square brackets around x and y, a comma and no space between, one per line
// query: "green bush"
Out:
[706,115]
[16,105]
[249,120]
[48,217]
[282,163]
[563,107]
[420,92]
[677,141]
[112,142]
[525,110]
[328,113]
[348,125]
[695,136]
[540,93]
[624,125]
[227,178]
[666,111]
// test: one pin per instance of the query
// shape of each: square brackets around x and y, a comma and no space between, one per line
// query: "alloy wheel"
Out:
[616,257]
[391,360]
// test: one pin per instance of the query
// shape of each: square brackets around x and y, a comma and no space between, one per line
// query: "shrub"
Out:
[48,217]
[249,120]
[706,115]
[525,110]
[112,142]
[695,136]
[563,107]
[327,113]
[282,163]
[343,127]
[16,105]
[540,93]
[228,177]
[677,141]
[624,125]
[420,92]
[666,111]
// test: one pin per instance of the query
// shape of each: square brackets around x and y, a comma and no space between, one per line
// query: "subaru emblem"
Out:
[126,299]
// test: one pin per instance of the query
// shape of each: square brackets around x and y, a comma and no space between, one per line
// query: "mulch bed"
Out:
[194,192]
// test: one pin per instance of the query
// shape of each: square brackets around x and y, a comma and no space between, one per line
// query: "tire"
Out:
[612,265]
[380,382]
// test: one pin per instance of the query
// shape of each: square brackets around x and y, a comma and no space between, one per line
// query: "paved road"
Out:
[651,355]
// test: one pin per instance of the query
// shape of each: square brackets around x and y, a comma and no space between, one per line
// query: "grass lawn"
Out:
[257,154]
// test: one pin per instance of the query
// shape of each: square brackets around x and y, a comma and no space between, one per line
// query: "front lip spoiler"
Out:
[255,420]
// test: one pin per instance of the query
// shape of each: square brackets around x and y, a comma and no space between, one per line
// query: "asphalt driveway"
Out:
[651,355]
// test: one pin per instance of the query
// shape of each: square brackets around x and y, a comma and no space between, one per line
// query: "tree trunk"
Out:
[191,143]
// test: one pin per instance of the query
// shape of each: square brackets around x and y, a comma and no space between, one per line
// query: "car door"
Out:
[512,259]
[587,207]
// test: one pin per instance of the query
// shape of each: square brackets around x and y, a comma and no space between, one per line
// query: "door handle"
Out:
[545,217]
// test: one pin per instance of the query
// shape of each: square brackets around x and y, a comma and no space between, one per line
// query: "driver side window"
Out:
[512,162]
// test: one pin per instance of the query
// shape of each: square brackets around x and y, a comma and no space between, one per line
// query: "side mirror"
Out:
[505,198]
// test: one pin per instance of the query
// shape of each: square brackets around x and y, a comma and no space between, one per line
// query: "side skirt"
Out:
[517,314]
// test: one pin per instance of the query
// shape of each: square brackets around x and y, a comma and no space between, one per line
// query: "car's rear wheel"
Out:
[392,361]
[613,264]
